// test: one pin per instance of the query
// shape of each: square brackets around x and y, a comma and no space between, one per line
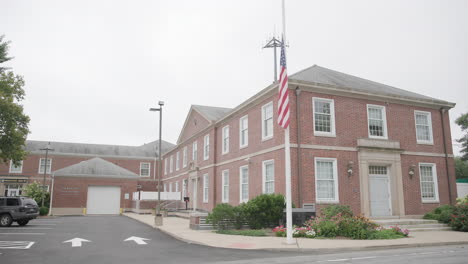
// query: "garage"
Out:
[103,200]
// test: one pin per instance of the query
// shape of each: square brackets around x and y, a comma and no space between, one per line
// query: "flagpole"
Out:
[287,157]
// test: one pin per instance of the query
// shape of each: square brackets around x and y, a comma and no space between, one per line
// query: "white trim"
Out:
[48,168]
[389,189]
[206,147]
[240,184]
[170,187]
[434,178]
[332,132]
[177,163]
[194,150]
[427,154]
[149,169]
[224,184]
[384,119]
[264,163]
[20,168]
[429,119]
[171,164]
[240,132]
[225,149]
[165,166]
[206,187]
[184,157]
[336,199]
[263,121]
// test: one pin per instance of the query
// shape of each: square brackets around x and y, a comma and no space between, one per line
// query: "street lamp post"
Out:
[158,217]
[47,149]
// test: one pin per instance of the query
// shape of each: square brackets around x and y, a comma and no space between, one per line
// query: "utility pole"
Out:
[274,43]
[47,149]
[158,216]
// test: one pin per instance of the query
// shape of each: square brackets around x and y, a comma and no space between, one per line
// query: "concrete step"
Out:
[420,229]
[403,221]
[418,226]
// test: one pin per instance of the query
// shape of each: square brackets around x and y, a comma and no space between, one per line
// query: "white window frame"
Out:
[332,132]
[225,185]
[149,169]
[206,147]
[20,170]
[177,162]
[48,168]
[243,129]
[434,178]
[176,186]
[194,150]
[184,157]
[206,186]
[171,164]
[384,119]
[225,140]
[335,199]
[165,187]
[184,188]
[429,119]
[170,187]
[264,182]
[266,137]
[241,200]
[165,166]
[47,187]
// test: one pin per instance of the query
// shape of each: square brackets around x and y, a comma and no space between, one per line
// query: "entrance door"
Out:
[379,189]
[13,190]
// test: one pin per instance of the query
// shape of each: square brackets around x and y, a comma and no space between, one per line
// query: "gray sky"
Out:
[93,68]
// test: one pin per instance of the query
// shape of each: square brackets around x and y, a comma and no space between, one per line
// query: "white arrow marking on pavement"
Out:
[76,242]
[138,240]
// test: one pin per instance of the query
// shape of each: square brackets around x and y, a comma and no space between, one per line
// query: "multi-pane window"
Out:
[423,127]
[324,117]
[170,187]
[145,169]
[244,131]
[225,183]
[377,121]
[326,182]
[171,164]
[184,188]
[177,186]
[165,187]
[206,147]
[165,166]
[428,178]
[42,165]
[269,176]
[16,169]
[194,151]
[244,184]
[177,161]
[267,121]
[184,157]
[206,182]
[225,139]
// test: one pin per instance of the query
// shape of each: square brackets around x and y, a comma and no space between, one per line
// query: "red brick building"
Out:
[379,149]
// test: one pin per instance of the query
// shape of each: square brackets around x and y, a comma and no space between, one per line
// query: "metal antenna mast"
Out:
[274,43]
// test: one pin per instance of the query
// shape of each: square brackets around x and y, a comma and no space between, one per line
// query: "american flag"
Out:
[283,95]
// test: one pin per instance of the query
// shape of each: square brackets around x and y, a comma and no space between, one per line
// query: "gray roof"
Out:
[321,75]
[95,167]
[147,150]
[211,112]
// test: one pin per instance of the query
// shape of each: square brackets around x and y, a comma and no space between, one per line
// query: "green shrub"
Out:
[242,232]
[222,217]
[264,210]
[357,227]
[442,213]
[459,219]
[333,210]
[463,200]
[327,228]
[385,234]
[43,210]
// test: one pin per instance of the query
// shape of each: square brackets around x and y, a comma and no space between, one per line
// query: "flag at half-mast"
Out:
[283,94]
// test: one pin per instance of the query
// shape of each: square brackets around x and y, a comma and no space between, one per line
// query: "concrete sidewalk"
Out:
[179,228]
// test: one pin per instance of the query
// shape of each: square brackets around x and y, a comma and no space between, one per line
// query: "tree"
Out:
[461,168]
[13,122]
[34,191]
[462,121]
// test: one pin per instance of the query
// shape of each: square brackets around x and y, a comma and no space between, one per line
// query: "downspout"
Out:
[299,159]
[215,152]
[442,111]
[51,195]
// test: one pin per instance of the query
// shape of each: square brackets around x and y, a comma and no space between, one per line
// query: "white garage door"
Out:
[103,200]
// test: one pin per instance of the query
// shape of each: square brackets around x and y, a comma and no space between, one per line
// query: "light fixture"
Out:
[350,168]
[411,171]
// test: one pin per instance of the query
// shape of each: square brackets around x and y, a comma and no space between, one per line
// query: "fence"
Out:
[462,189]
[144,202]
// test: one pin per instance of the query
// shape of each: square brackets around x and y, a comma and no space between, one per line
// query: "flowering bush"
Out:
[280,231]
[398,230]
[459,220]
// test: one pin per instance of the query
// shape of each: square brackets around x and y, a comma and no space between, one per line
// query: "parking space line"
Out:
[28,228]
[22,233]
[16,244]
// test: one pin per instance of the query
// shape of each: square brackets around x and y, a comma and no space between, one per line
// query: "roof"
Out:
[95,167]
[320,75]
[149,150]
[212,113]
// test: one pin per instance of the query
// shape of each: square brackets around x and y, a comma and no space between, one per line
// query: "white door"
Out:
[379,189]
[103,200]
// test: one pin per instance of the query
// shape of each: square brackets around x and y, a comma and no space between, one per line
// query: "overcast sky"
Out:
[94,68]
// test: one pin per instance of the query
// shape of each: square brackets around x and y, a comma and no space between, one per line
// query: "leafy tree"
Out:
[34,191]
[13,122]
[461,168]
[462,121]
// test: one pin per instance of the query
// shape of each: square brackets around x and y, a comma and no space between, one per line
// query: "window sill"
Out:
[424,143]
[327,202]
[146,176]
[431,202]
[18,172]
[375,137]
[243,147]
[224,153]
[267,138]
[320,134]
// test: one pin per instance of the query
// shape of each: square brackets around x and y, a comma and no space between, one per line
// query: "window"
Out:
[184,157]
[206,147]
[171,164]
[244,131]
[244,184]
[184,188]
[377,121]
[170,187]
[176,186]
[145,169]
[267,121]
[165,166]
[46,187]
[165,187]
[194,151]
[177,161]
[324,116]
[12,202]
[225,183]
[205,187]
[16,169]
[225,139]
[326,182]
[428,178]
[423,127]
[42,165]
[269,176]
